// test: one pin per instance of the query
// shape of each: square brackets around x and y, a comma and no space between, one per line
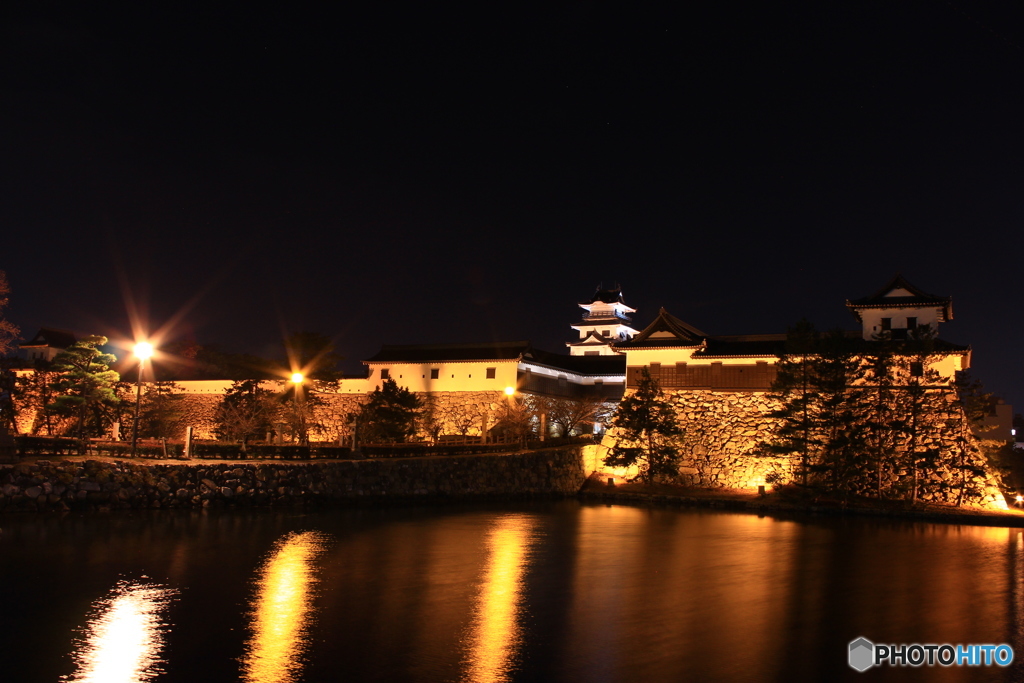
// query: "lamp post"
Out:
[297,379]
[142,351]
[509,421]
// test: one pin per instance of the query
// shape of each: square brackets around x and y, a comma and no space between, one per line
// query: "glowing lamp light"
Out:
[143,350]
[297,377]
[1020,499]
[509,391]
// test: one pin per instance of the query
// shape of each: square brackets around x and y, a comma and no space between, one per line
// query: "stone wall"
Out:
[197,411]
[446,413]
[723,430]
[459,413]
[92,484]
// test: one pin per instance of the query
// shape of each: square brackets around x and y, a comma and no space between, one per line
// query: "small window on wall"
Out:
[911,323]
[492,373]
[385,373]
[886,323]
[917,369]
[435,373]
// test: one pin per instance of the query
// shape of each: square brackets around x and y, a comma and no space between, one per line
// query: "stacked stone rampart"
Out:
[459,413]
[724,429]
[84,484]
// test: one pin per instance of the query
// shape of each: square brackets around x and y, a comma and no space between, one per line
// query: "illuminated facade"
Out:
[46,344]
[898,309]
[495,367]
[681,356]
[608,357]
[720,389]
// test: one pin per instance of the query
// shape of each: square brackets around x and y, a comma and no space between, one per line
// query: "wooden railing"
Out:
[219,450]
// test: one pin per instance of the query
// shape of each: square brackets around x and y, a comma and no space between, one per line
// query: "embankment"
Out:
[68,484]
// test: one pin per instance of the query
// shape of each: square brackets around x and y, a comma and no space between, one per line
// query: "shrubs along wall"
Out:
[91,484]
[724,429]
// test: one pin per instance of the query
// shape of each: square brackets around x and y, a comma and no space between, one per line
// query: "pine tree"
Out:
[975,404]
[648,426]
[8,383]
[247,411]
[878,388]
[162,410]
[795,387]
[390,414]
[84,385]
[838,367]
[918,379]
[818,414]
[8,331]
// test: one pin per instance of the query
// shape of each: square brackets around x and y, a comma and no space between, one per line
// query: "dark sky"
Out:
[431,173]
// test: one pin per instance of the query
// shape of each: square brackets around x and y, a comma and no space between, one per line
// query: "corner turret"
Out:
[898,308]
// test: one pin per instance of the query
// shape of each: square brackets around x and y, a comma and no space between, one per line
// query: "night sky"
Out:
[431,173]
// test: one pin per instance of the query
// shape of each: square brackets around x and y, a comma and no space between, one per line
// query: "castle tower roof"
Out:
[900,293]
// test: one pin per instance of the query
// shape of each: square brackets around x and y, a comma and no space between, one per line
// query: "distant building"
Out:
[605,322]
[681,356]
[900,308]
[496,367]
[46,344]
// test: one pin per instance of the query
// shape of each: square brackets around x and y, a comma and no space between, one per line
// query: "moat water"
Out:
[557,591]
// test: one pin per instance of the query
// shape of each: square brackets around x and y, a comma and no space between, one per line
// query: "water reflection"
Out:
[495,633]
[282,612]
[123,640]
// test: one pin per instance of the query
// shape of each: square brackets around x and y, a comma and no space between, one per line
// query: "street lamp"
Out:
[142,351]
[297,379]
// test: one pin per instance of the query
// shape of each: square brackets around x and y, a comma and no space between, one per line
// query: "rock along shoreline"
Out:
[80,484]
[788,509]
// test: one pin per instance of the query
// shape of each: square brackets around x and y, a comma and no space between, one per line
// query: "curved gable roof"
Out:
[665,330]
[900,293]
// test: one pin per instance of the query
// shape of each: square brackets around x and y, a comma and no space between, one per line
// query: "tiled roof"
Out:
[605,296]
[743,345]
[46,336]
[500,351]
[592,339]
[775,345]
[425,353]
[917,298]
[581,365]
[681,334]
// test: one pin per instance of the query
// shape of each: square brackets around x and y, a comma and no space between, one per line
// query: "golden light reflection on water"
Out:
[282,614]
[122,642]
[495,635]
